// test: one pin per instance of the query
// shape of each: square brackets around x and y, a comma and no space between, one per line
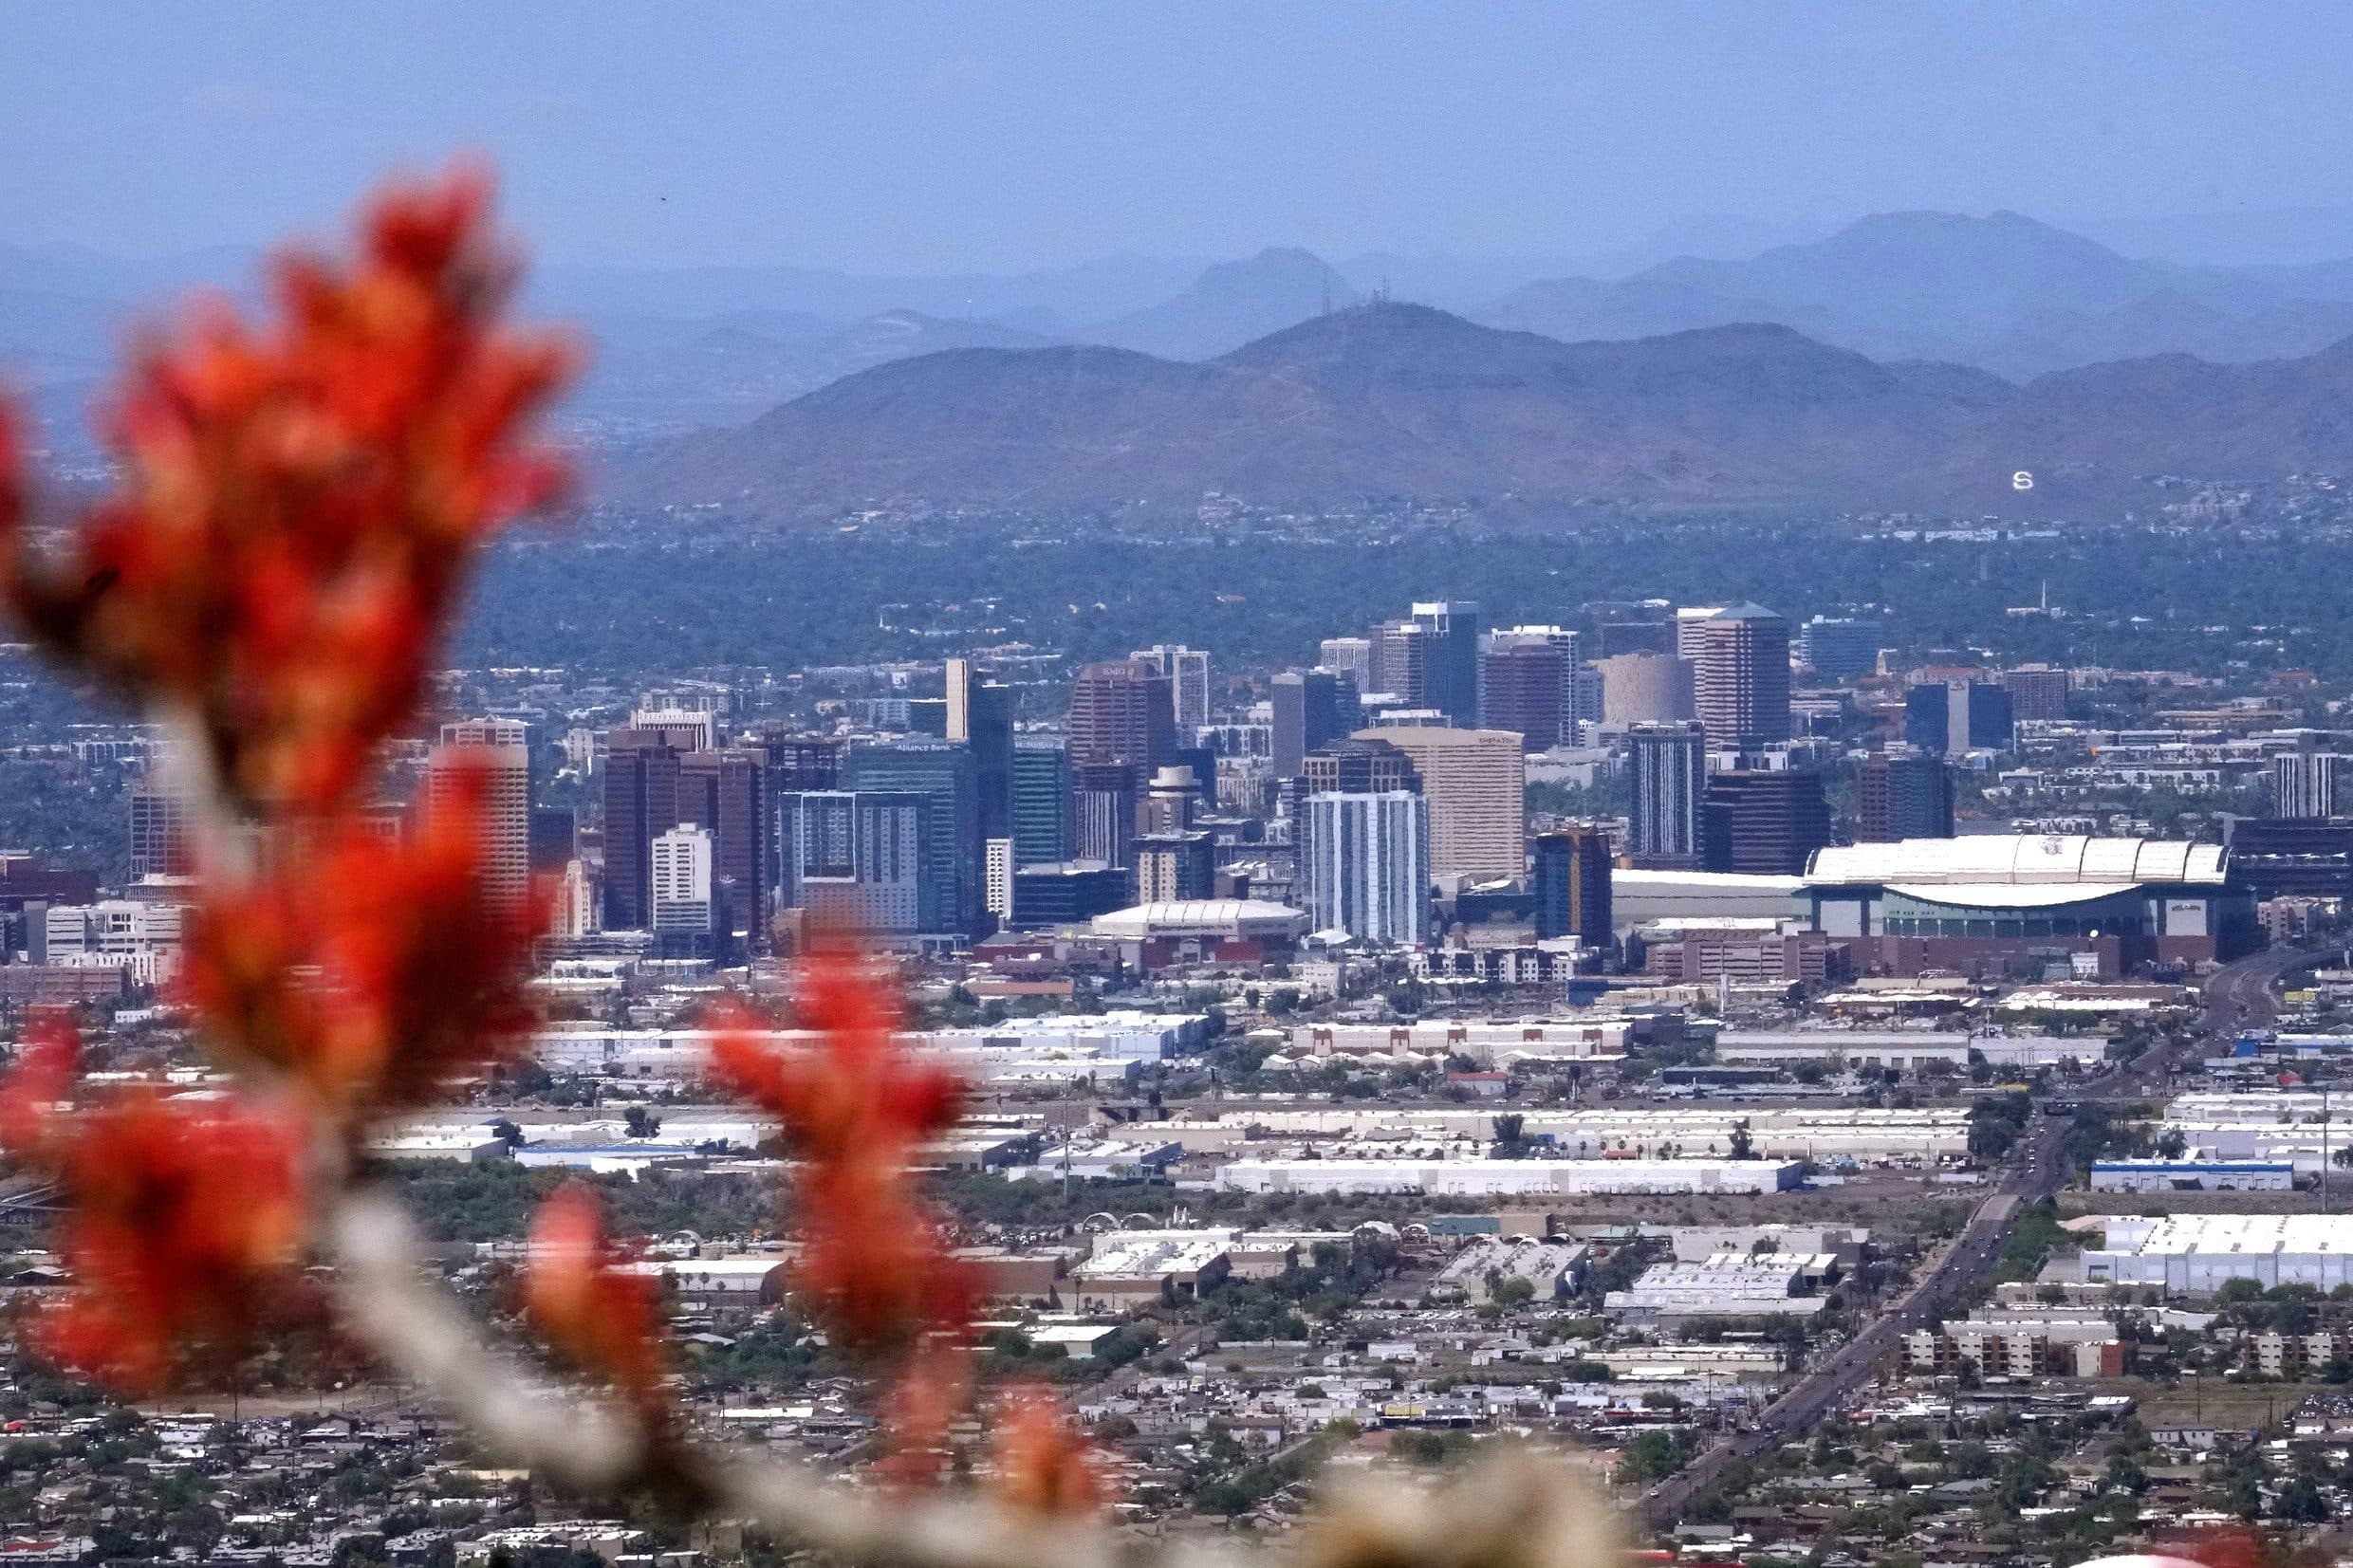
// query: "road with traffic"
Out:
[2235,997]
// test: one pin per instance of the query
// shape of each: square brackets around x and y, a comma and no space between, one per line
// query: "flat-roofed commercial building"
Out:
[2198,1254]
[1493,1177]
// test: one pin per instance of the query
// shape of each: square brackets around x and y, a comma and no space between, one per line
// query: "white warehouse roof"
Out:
[2066,859]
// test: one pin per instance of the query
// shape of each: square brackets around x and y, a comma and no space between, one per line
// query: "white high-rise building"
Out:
[997,879]
[1365,865]
[1187,670]
[1670,776]
[1690,629]
[124,934]
[1352,654]
[854,859]
[575,911]
[681,861]
[2304,783]
[681,728]
[499,749]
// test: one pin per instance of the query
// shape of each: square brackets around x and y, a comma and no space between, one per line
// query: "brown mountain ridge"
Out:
[1388,399]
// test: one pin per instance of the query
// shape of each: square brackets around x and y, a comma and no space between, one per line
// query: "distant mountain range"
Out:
[2005,293]
[2002,293]
[1397,400]
[690,348]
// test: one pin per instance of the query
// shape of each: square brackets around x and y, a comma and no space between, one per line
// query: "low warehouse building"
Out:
[2198,1254]
[1730,1285]
[2193,1174]
[1140,1268]
[1493,1177]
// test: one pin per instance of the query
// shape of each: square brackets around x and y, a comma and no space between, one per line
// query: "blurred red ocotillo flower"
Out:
[300,500]
[184,1221]
[366,969]
[1043,1465]
[599,1317]
[854,1106]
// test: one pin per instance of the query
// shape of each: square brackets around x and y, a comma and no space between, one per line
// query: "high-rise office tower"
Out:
[727,793]
[796,765]
[2036,691]
[2304,783]
[1903,794]
[1449,658]
[1171,801]
[684,728]
[997,880]
[1103,813]
[1645,628]
[1187,670]
[1955,717]
[854,859]
[555,839]
[158,833]
[1645,689]
[1364,865]
[572,910]
[1691,623]
[640,802]
[1763,823]
[1352,657]
[497,753]
[1400,654]
[1838,649]
[799,764]
[1529,688]
[952,850]
[1743,678]
[686,908]
[1570,879]
[980,714]
[1307,708]
[1357,766]
[1670,768]
[1475,782]
[1041,815]
[1172,867]
[1122,711]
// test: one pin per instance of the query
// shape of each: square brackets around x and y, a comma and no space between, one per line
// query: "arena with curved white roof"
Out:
[2005,898]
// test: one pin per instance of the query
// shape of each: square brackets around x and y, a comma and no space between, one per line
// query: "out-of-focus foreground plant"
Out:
[298,506]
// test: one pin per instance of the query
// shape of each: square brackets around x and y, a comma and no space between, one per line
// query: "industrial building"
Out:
[2197,1254]
[2192,1174]
[1493,1177]
[1140,1268]
[1728,1285]
[1622,1135]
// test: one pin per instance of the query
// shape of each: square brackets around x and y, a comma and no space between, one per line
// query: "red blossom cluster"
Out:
[605,1319]
[298,507]
[367,970]
[1042,1465]
[299,503]
[854,1107]
[184,1219]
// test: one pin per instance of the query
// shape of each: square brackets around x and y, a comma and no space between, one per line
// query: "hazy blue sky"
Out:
[890,136]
